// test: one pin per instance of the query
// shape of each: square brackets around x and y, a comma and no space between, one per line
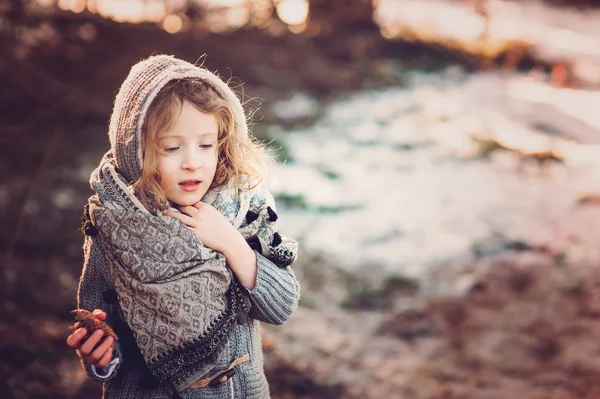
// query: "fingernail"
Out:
[99,333]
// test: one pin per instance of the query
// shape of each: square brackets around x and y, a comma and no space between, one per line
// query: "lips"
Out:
[190,185]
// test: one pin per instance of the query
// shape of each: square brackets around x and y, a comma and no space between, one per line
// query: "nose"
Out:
[192,161]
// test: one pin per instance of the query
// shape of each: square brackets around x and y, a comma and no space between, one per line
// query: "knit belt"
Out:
[221,376]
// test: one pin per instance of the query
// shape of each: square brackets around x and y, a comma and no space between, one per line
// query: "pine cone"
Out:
[91,323]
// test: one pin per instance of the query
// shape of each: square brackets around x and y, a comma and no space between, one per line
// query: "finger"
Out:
[74,340]
[189,210]
[100,314]
[183,218]
[100,351]
[106,358]
[87,347]
[199,205]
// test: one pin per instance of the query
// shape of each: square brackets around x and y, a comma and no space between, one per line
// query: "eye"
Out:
[206,146]
[170,149]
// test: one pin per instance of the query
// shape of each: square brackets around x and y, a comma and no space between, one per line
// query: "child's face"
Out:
[187,160]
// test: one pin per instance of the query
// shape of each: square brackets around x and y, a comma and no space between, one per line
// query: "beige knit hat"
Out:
[137,92]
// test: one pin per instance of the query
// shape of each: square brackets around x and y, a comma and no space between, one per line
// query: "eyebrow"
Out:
[177,136]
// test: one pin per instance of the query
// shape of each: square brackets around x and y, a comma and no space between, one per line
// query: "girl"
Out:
[182,252]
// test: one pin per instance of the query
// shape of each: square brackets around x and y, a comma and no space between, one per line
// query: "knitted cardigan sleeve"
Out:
[276,294]
[94,293]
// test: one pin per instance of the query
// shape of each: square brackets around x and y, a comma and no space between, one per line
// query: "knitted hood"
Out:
[145,80]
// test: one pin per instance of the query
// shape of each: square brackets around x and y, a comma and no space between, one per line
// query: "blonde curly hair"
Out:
[241,160]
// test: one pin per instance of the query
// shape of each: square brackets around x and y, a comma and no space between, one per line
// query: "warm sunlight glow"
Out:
[220,16]
[175,5]
[416,18]
[456,24]
[64,4]
[155,11]
[389,31]
[227,15]
[133,11]
[261,13]
[292,12]
[221,3]
[77,6]
[237,17]
[227,19]
[297,29]
[46,3]
[103,7]
[92,6]
[172,23]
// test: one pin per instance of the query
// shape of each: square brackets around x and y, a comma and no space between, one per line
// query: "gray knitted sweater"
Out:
[273,299]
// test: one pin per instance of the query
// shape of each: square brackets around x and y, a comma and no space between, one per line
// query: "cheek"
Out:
[213,159]
[159,172]
[163,171]
[212,167]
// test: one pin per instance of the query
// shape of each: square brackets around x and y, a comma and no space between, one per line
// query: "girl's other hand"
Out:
[209,225]
[90,351]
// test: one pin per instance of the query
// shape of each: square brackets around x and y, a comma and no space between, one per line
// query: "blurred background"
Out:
[438,161]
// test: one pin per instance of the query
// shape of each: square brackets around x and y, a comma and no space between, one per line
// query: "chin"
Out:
[184,203]
[188,201]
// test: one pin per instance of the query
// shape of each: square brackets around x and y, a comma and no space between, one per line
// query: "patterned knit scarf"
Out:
[178,296]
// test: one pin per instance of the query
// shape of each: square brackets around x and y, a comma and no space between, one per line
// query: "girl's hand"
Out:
[209,225]
[215,231]
[90,351]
